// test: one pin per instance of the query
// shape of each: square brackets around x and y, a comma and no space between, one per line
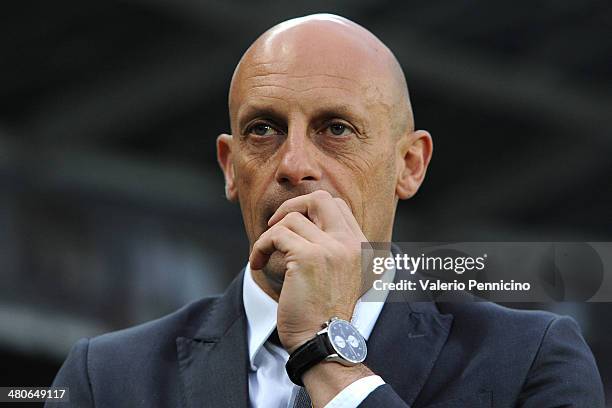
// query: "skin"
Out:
[322,148]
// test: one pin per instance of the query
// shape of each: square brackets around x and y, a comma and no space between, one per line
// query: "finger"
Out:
[318,206]
[279,238]
[302,226]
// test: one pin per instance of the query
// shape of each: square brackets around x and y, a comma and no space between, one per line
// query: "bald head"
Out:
[324,45]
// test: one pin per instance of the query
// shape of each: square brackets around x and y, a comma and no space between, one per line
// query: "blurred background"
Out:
[112,209]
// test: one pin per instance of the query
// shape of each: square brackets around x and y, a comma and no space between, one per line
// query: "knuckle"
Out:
[273,232]
[318,255]
[267,235]
[261,237]
[256,246]
[322,194]
[310,251]
[337,248]
[280,231]
[293,216]
[341,202]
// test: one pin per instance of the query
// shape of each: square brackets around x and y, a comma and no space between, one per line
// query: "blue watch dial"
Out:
[347,341]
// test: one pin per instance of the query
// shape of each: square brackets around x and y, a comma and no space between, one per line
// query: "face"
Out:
[305,118]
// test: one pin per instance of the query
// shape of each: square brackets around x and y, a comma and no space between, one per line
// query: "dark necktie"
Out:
[302,400]
[274,339]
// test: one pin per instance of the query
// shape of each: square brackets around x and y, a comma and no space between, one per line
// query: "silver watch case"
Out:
[340,356]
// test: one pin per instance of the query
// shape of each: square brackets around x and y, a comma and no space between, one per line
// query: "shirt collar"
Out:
[261,309]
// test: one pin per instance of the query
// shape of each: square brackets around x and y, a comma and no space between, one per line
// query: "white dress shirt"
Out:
[269,385]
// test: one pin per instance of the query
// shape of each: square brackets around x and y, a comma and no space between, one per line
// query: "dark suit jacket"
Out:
[431,355]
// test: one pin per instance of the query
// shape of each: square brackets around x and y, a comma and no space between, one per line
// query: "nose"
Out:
[298,162]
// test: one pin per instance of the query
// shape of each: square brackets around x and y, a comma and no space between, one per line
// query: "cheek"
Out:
[251,168]
[382,194]
[370,171]
[253,164]
[375,179]
[358,178]
[381,188]
[253,176]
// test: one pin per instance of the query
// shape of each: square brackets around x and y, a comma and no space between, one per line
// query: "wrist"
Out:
[327,379]
[338,341]
[335,374]
[292,341]
[295,341]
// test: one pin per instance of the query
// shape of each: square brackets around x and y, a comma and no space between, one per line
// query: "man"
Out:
[322,148]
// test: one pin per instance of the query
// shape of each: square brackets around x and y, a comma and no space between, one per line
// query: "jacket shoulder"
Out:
[512,334]
[492,316]
[120,368]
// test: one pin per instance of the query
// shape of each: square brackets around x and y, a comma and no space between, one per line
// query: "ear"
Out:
[224,157]
[415,150]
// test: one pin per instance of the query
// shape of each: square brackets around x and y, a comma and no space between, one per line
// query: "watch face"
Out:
[347,341]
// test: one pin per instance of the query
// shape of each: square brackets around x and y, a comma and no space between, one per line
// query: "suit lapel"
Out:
[406,342]
[213,364]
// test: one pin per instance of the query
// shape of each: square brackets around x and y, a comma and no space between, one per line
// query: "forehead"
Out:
[306,85]
[300,76]
[312,64]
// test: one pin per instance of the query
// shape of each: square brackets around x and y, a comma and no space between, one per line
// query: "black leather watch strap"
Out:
[307,355]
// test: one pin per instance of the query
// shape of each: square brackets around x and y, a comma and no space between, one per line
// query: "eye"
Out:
[261,130]
[337,129]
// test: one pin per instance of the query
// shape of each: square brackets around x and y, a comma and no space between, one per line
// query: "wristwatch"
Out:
[339,341]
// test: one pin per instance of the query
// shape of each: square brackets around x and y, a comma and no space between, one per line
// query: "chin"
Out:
[275,269]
